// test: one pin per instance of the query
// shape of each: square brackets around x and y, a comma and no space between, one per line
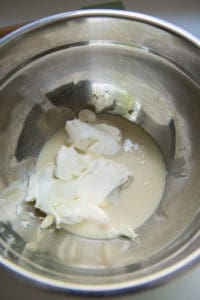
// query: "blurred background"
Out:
[185,14]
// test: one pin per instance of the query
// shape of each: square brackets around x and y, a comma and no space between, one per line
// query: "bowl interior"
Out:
[116,65]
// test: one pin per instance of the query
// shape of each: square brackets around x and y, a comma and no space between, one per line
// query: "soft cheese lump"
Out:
[94,139]
[77,185]
[98,178]
[79,188]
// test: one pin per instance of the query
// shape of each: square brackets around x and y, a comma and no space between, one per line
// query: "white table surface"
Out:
[184,13]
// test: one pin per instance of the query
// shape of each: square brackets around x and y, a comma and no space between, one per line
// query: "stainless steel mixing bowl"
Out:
[117,62]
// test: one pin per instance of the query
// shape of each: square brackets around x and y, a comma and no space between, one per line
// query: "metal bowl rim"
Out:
[134,16]
[118,288]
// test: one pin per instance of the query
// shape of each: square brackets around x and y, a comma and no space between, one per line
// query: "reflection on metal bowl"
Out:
[116,62]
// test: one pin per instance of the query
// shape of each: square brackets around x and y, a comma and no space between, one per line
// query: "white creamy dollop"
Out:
[79,184]
[93,139]
[71,164]
[61,199]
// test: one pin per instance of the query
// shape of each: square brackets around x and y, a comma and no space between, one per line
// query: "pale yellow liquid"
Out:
[140,199]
